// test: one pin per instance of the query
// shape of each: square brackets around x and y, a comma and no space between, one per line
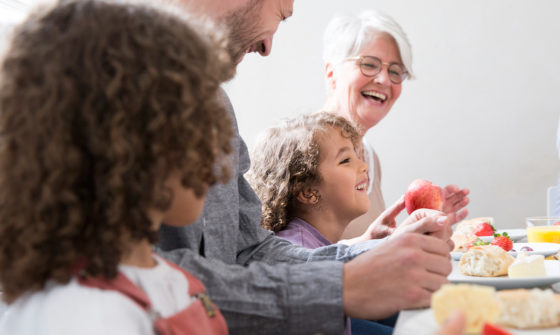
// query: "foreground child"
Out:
[109,125]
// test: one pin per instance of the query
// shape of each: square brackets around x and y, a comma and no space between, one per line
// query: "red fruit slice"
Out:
[491,329]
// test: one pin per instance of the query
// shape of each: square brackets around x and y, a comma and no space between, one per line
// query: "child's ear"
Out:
[308,196]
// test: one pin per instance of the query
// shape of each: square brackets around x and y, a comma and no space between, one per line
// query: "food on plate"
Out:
[470,224]
[525,309]
[423,194]
[491,329]
[485,261]
[477,302]
[463,241]
[527,266]
[503,241]
[484,229]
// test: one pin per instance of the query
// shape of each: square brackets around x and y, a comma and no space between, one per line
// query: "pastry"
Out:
[478,303]
[485,261]
[462,240]
[525,309]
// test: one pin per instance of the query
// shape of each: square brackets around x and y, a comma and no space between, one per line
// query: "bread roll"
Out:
[485,261]
[525,309]
[478,303]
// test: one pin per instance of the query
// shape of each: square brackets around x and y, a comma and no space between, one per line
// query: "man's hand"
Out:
[401,273]
[422,221]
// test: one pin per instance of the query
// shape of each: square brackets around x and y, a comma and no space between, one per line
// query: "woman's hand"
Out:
[454,198]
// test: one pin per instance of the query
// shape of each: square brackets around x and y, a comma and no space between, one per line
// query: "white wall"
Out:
[481,114]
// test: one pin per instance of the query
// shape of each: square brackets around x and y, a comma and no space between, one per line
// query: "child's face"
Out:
[344,177]
[186,206]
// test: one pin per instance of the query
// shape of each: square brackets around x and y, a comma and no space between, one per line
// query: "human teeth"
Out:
[361,187]
[376,95]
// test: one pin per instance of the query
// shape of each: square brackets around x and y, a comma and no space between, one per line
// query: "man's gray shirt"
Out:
[262,284]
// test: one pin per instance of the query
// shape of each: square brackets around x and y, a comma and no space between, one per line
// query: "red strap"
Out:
[121,284]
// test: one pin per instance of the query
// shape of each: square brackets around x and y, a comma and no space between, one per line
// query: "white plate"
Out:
[514,234]
[545,249]
[424,323]
[504,282]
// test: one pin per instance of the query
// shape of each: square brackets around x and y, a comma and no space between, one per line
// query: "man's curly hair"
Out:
[285,162]
[99,103]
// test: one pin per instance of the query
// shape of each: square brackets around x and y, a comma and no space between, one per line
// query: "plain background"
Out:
[482,113]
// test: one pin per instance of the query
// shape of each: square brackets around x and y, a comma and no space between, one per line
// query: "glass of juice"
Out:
[543,229]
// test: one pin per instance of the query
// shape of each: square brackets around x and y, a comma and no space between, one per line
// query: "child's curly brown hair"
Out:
[99,102]
[285,161]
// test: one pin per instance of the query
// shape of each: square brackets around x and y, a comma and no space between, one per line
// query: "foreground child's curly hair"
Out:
[285,161]
[99,102]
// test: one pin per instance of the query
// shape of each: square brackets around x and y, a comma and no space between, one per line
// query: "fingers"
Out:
[396,208]
[454,325]
[454,198]
[439,267]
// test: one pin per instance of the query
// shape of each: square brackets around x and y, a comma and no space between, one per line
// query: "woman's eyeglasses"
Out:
[371,66]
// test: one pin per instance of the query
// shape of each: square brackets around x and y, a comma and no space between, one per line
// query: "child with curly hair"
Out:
[310,178]
[110,124]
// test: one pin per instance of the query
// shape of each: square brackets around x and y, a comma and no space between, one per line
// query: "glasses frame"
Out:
[361,59]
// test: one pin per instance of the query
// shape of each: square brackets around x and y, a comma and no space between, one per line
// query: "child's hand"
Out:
[385,223]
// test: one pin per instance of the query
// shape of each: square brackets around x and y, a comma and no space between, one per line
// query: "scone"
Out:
[525,309]
[462,240]
[478,303]
[468,226]
[485,261]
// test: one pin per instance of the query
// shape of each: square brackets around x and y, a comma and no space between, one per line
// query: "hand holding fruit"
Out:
[422,193]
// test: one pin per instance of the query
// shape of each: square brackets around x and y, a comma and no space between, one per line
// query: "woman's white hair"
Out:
[346,35]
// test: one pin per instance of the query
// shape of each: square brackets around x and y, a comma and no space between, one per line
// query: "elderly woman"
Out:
[367,58]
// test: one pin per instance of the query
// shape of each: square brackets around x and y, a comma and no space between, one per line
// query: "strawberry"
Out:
[557,223]
[491,329]
[484,229]
[503,241]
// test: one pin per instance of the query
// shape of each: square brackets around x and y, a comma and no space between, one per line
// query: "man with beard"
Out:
[265,285]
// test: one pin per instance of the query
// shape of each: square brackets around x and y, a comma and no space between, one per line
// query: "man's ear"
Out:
[329,76]
[308,196]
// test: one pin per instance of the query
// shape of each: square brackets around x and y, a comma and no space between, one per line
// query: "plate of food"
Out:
[552,276]
[514,234]
[493,266]
[423,322]
[545,249]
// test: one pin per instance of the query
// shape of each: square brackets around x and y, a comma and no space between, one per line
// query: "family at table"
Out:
[129,203]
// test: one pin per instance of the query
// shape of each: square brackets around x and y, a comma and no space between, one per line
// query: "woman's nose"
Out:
[382,77]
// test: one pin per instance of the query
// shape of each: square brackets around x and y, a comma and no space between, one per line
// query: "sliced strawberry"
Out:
[491,329]
[503,241]
[484,229]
